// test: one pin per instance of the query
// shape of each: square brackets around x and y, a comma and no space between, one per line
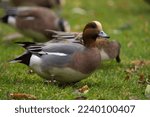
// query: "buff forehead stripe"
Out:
[99,25]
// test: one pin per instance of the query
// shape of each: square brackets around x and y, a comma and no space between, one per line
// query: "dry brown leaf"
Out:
[83,89]
[140,62]
[137,64]
[141,79]
[21,96]
[136,68]
[132,69]
[128,71]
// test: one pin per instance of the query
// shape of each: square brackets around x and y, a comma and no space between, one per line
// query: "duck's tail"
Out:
[24,59]
[8,11]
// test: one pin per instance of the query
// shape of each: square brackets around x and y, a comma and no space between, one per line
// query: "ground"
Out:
[127,21]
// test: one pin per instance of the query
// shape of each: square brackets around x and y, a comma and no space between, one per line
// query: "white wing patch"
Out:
[12,21]
[29,18]
[53,53]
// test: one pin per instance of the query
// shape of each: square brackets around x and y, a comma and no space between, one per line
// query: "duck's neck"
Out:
[90,43]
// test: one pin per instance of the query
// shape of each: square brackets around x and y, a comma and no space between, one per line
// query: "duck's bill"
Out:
[103,35]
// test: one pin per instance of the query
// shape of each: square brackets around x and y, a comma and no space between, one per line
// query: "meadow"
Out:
[127,21]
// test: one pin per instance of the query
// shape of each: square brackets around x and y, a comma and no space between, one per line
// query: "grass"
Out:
[127,21]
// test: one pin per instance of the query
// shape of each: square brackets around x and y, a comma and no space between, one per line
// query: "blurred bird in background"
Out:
[42,3]
[33,21]
[43,25]
[53,4]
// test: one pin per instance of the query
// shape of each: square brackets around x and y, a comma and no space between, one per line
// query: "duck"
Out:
[64,62]
[32,22]
[41,3]
[109,49]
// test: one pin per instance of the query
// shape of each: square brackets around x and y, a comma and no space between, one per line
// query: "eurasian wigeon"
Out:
[32,21]
[65,62]
[108,49]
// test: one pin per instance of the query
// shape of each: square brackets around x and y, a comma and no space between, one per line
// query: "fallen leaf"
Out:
[128,71]
[137,62]
[140,62]
[136,68]
[132,69]
[83,89]
[19,96]
[141,79]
